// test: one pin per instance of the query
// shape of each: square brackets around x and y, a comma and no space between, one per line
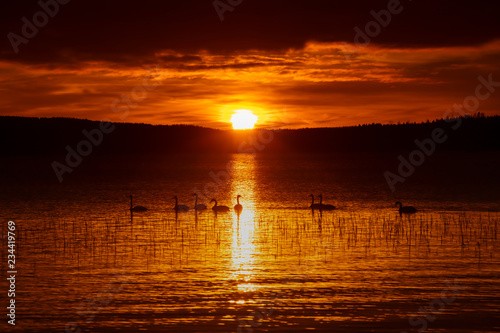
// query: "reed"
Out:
[155,242]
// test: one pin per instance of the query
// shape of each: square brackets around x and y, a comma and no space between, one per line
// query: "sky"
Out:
[293,63]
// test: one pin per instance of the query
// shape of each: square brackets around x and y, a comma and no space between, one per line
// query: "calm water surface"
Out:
[85,262]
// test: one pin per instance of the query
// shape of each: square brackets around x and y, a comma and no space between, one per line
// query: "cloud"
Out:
[118,31]
[297,82]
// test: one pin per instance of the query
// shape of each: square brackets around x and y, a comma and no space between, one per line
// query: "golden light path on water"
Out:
[278,267]
[243,248]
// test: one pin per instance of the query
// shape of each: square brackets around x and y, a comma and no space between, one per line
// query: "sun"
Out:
[243,119]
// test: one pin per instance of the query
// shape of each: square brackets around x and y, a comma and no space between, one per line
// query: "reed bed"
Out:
[264,269]
[157,241]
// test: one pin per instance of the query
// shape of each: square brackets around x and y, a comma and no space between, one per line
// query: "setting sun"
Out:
[243,119]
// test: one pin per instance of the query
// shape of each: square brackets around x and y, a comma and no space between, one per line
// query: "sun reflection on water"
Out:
[243,247]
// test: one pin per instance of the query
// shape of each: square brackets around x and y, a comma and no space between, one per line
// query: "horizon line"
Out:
[475,115]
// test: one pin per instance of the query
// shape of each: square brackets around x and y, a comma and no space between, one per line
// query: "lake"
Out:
[85,263]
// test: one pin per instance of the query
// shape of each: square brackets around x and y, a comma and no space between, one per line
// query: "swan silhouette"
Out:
[216,208]
[313,205]
[323,206]
[238,207]
[405,209]
[136,208]
[180,208]
[198,206]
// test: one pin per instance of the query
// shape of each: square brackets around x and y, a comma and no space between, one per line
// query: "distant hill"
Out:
[51,136]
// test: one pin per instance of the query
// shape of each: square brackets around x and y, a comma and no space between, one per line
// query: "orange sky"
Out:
[311,87]
[296,66]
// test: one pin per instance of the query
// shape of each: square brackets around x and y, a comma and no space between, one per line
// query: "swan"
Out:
[198,206]
[323,206]
[313,205]
[217,208]
[238,207]
[180,208]
[136,208]
[405,209]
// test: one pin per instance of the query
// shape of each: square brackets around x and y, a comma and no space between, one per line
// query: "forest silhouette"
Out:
[50,136]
